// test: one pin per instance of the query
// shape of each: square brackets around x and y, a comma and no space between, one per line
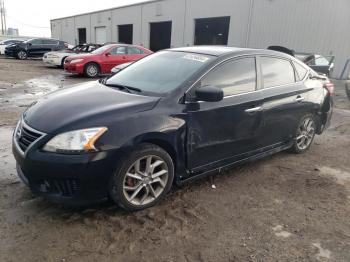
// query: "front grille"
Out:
[67,187]
[26,136]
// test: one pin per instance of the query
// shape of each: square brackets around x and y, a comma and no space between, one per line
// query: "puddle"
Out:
[323,253]
[279,232]
[29,91]
[342,177]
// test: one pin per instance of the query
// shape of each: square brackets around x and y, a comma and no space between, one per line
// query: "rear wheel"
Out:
[91,70]
[305,134]
[143,178]
[22,55]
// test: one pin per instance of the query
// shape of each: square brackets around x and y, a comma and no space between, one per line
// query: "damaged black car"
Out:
[174,116]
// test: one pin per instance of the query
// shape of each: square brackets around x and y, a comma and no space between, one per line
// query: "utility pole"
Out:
[2,20]
[3,17]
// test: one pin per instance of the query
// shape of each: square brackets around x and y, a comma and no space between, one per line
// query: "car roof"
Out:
[226,50]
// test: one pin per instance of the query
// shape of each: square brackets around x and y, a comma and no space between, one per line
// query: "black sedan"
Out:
[173,116]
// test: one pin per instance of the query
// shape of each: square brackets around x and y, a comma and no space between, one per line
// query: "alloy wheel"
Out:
[22,55]
[306,133]
[92,70]
[145,180]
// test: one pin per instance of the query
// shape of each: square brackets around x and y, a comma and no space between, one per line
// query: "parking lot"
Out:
[283,208]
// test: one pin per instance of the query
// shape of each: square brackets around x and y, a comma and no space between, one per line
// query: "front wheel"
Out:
[91,70]
[305,134]
[22,55]
[143,178]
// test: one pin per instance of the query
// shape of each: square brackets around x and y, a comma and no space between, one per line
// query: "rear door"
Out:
[49,45]
[222,132]
[134,53]
[283,102]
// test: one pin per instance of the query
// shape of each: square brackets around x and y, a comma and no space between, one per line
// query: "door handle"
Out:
[253,110]
[300,98]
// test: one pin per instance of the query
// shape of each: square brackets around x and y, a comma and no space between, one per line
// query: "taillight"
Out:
[330,88]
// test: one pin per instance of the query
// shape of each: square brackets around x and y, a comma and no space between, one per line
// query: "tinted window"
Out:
[134,50]
[118,50]
[49,42]
[162,72]
[300,70]
[277,72]
[36,42]
[235,77]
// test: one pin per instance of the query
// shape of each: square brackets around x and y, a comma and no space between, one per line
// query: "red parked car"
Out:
[103,59]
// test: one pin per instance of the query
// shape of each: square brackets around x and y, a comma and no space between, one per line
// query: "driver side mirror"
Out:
[30,44]
[209,94]
[107,54]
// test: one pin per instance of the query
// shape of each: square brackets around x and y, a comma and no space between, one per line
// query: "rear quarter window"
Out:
[301,71]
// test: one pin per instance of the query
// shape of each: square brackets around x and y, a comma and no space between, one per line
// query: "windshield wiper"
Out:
[128,89]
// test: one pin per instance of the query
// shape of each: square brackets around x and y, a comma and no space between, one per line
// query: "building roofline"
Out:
[108,9]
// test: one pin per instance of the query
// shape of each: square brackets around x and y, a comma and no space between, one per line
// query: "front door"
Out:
[116,56]
[219,133]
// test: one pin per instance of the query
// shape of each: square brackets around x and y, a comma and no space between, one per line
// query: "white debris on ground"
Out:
[323,253]
[279,232]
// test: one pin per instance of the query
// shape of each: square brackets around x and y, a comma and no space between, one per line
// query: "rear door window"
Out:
[276,72]
[121,50]
[36,42]
[135,51]
[234,77]
[50,42]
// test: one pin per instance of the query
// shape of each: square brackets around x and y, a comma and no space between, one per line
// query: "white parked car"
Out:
[56,58]
[7,42]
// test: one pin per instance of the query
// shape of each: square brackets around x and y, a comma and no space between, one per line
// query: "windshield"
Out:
[101,50]
[161,72]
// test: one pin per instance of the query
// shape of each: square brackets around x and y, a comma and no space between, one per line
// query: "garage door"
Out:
[101,35]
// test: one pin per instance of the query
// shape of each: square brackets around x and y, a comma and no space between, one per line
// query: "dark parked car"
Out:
[173,116]
[36,47]
[7,42]
[319,63]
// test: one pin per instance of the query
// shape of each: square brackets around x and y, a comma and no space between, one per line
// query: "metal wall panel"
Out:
[316,26]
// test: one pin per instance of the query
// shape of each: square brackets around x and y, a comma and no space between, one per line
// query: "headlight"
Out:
[75,141]
[74,61]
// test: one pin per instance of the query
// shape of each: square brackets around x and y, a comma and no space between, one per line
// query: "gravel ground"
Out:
[283,208]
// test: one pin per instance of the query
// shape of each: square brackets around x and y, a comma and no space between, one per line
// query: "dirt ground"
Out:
[283,208]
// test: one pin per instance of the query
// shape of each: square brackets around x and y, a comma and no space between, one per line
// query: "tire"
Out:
[91,70]
[22,55]
[62,62]
[132,187]
[304,135]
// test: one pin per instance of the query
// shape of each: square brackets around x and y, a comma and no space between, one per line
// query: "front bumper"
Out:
[53,61]
[11,53]
[74,68]
[71,180]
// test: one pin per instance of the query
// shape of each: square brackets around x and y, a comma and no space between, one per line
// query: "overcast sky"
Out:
[32,17]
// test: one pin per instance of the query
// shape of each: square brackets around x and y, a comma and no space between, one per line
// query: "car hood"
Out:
[84,105]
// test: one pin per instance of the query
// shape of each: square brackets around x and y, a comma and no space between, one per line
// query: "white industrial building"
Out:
[316,26]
